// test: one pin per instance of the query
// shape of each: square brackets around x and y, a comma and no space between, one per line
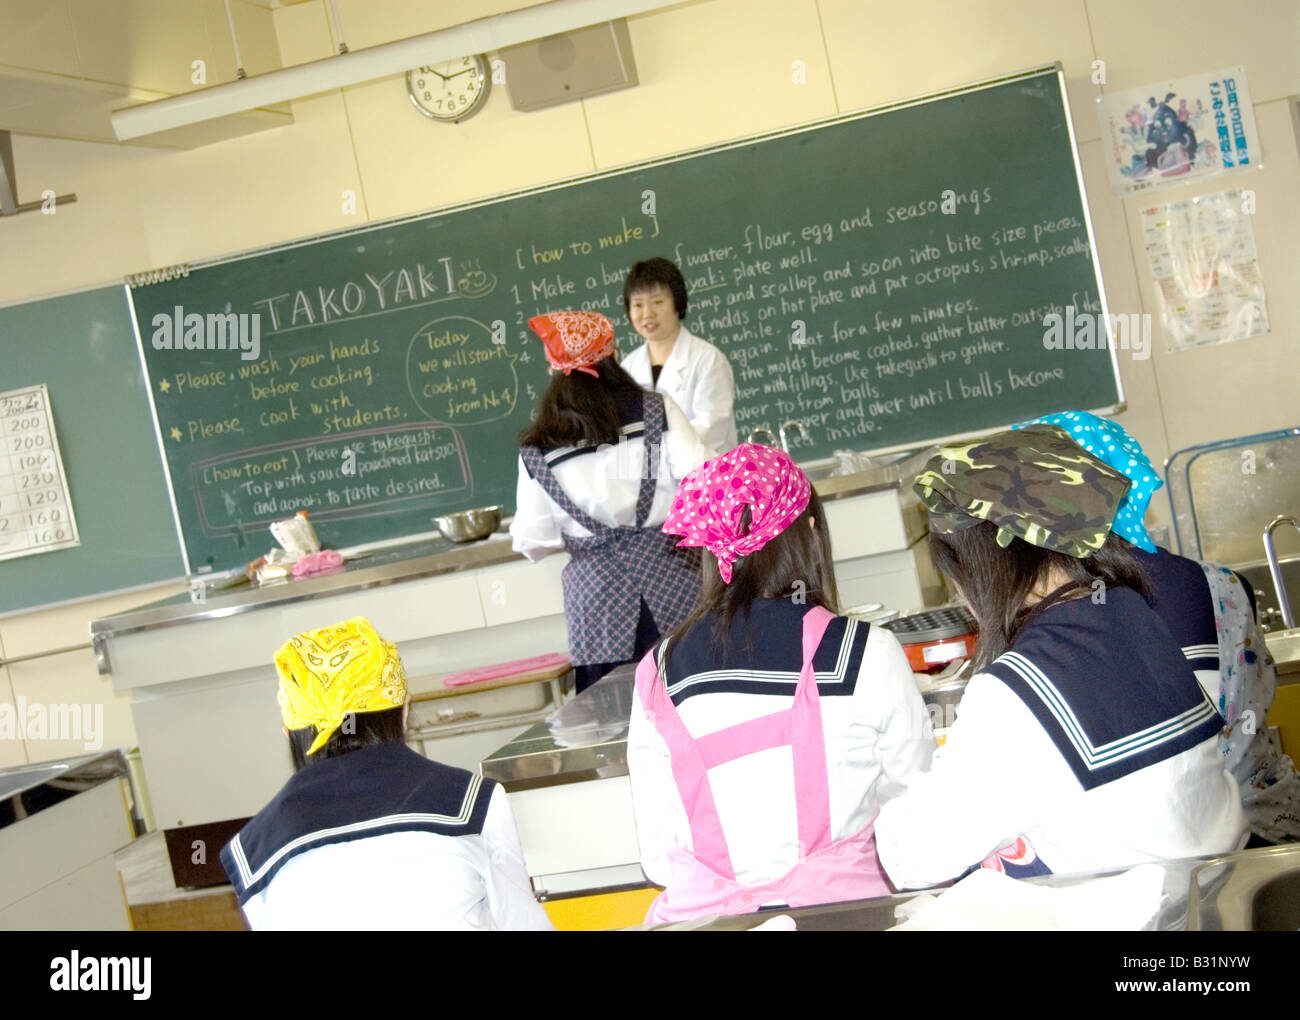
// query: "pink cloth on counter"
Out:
[314,563]
[478,676]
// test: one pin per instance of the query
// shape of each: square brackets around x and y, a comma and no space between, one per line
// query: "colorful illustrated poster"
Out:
[1202,255]
[1181,130]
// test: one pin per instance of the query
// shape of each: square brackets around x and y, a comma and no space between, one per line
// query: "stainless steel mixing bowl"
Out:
[470,525]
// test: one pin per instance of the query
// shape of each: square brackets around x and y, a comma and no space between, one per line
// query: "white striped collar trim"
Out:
[636,428]
[250,877]
[1096,756]
[774,676]
[1201,651]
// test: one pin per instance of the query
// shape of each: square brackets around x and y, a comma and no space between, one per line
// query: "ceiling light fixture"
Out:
[352,68]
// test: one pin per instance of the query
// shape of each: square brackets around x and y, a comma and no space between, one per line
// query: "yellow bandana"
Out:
[328,673]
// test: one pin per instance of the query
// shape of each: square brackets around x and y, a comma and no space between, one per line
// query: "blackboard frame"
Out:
[1040,71]
[79,342]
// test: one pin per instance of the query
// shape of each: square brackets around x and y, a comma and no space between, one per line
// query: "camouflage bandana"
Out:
[1034,483]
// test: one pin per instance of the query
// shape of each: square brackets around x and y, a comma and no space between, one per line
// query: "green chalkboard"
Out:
[83,348]
[884,277]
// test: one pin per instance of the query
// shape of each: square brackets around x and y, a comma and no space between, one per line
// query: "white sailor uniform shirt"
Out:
[1091,739]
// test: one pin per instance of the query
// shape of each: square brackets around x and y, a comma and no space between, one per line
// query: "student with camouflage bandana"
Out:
[1210,611]
[1083,741]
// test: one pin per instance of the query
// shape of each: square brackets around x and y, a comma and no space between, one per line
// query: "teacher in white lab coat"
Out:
[673,360]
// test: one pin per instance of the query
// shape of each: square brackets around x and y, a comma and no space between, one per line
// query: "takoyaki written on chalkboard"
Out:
[888,278]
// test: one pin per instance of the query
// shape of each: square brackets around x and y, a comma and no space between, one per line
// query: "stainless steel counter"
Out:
[588,738]
[595,744]
[28,789]
[426,558]
[60,824]
[365,570]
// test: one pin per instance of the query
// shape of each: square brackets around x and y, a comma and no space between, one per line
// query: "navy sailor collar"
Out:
[1109,685]
[372,791]
[695,665]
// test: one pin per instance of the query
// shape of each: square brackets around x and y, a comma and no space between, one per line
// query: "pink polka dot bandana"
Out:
[574,340]
[712,497]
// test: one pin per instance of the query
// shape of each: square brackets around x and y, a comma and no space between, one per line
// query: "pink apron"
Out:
[704,881]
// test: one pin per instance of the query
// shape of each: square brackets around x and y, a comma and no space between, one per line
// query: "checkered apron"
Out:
[616,567]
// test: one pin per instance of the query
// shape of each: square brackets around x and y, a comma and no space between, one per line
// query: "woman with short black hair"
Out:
[674,361]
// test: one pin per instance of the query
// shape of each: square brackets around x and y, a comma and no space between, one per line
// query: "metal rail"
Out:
[41,655]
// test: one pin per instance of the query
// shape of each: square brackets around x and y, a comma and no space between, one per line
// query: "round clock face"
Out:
[452,90]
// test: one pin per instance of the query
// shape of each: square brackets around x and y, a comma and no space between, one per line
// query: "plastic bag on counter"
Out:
[849,462]
[296,535]
[601,713]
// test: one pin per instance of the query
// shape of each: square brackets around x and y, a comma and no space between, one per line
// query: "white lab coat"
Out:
[699,378]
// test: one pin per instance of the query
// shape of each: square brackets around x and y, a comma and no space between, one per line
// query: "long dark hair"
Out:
[995,581]
[796,564]
[359,729]
[581,410]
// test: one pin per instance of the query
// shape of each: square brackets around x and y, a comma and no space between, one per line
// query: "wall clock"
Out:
[451,91]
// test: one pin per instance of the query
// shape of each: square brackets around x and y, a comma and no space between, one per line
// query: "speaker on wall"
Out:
[569,66]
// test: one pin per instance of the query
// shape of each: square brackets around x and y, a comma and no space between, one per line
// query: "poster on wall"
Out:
[35,508]
[1202,255]
[1185,129]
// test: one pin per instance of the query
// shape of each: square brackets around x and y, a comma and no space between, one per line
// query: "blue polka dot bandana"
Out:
[1112,445]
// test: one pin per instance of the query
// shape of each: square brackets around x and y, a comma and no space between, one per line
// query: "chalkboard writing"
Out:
[884,278]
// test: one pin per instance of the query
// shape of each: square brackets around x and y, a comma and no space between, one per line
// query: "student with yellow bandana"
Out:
[368,834]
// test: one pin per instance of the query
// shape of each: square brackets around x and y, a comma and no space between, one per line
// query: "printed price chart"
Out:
[35,508]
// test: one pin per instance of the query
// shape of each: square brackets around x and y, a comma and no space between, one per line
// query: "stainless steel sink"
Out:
[1256,574]
[1276,906]
[1254,890]
[1285,648]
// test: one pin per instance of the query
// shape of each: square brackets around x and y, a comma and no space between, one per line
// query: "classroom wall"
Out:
[709,70]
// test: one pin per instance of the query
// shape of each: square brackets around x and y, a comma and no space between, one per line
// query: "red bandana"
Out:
[574,339]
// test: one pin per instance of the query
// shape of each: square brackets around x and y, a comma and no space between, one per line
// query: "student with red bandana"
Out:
[598,470]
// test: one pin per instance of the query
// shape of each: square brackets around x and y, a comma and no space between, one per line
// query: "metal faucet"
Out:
[754,433]
[803,431]
[1275,569]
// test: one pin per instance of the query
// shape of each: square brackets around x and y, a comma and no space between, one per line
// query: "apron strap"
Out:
[652,410]
[652,413]
[535,461]
[799,726]
[689,771]
[811,782]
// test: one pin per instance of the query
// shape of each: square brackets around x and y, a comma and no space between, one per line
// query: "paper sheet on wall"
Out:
[1202,254]
[35,508]
[1204,126]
